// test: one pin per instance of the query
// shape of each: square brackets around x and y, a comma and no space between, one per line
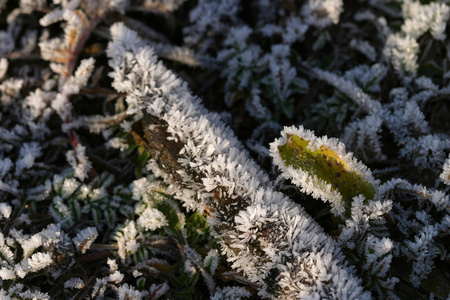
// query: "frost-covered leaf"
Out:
[5,211]
[85,238]
[322,168]
[33,264]
[445,175]
[152,219]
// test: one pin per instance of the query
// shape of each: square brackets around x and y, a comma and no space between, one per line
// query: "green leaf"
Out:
[75,209]
[110,216]
[175,226]
[197,229]
[96,216]
[141,284]
[323,169]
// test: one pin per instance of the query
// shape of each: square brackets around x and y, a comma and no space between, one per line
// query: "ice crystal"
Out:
[205,137]
[128,187]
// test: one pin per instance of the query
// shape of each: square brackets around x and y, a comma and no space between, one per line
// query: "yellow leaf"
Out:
[325,171]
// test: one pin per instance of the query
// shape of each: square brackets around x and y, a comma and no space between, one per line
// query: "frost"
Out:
[127,292]
[445,175]
[31,244]
[297,145]
[33,264]
[74,283]
[7,274]
[229,174]
[79,162]
[208,17]
[6,42]
[85,238]
[157,291]
[126,241]
[17,290]
[3,67]
[10,91]
[152,219]
[295,30]
[365,48]
[211,261]
[5,210]
[421,18]
[352,90]
[174,201]
[231,293]
[322,13]
[403,53]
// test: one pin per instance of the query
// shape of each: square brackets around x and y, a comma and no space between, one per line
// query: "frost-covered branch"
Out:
[263,234]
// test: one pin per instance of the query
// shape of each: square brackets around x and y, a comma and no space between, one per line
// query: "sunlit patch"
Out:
[321,167]
[327,165]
